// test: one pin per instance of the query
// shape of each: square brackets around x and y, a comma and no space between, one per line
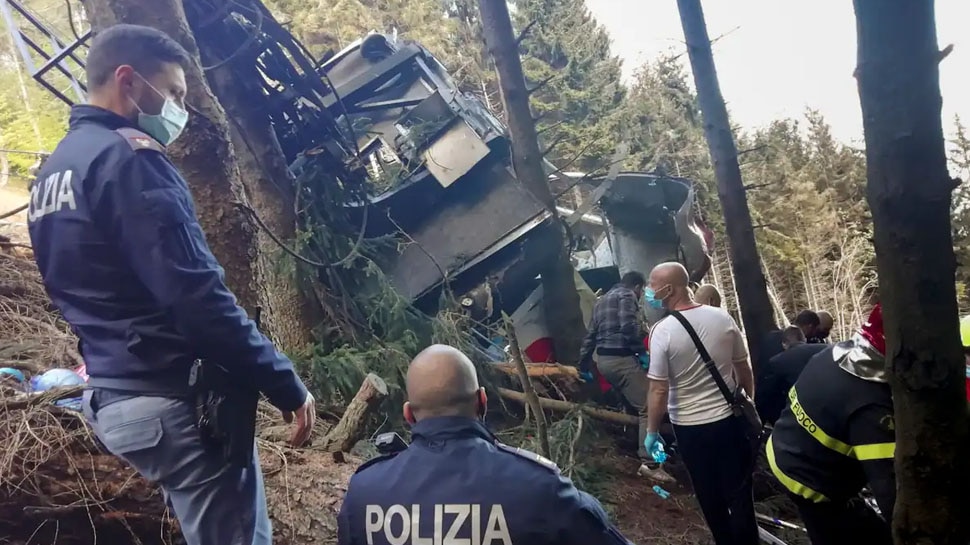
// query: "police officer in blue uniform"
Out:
[456,484]
[124,259]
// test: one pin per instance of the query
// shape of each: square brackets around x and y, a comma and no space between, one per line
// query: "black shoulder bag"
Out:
[741,405]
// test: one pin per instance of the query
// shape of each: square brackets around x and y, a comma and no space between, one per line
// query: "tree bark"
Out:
[225,179]
[756,310]
[290,309]
[909,193]
[560,298]
[351,428]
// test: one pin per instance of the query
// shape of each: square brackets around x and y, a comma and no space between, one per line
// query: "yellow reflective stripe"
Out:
[875,451]
[794,486]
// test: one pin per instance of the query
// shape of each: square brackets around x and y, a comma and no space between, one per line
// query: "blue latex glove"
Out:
[644,360]
[654,445]
[586,376]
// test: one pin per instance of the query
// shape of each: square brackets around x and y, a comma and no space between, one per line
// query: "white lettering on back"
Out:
[405,525]
[51,195]
[451,525]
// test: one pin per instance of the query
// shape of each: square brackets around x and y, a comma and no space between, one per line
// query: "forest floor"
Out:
[645,517]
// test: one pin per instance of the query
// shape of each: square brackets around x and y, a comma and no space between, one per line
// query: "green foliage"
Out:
[663,122]
[574,440]
[568,53]
[31,118]
[808,201]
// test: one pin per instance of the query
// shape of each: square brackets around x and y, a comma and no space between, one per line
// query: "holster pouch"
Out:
[225,412]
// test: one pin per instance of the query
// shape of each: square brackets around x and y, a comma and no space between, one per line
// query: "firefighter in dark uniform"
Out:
[456,484]
[124,259]
[835,436]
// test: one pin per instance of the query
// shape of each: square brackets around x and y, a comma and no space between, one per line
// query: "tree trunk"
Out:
[909,193]
[208,161]
[560,298]
[756,311]
[290,311]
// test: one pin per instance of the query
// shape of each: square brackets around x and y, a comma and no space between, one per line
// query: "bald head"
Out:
[669,273]
[708,294]
[668,282]
[442,381]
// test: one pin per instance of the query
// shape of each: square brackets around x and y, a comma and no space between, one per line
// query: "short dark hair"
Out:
[633,279]
[806,318]
[792,335]
[144,48]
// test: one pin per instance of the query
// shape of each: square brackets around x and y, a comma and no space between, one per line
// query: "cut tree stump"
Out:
[350,429]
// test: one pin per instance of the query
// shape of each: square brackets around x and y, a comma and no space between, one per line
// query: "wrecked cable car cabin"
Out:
[437,161]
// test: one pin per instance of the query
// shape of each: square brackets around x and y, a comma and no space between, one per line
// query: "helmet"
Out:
[965,331]
[872,330]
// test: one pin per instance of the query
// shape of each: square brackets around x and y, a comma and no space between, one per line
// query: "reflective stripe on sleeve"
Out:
[792,485]
[874,451]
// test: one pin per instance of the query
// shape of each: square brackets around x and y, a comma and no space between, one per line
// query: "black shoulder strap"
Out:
[708,362]
[376,460]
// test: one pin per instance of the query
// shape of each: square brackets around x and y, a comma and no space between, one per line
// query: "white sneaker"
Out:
[655,474]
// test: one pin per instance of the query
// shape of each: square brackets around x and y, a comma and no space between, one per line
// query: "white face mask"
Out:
[168,124]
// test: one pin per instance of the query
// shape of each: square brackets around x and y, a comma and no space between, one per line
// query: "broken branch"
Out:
[567,406]
[541,84]
[530,392]
[555,142]
[525,32]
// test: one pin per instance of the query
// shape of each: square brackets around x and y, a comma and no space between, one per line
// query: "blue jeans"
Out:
[215,503]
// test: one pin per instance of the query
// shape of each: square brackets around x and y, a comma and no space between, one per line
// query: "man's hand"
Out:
[304,421]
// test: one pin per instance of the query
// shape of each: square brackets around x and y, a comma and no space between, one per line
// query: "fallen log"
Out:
[566,406]
[350,429]
[540,370]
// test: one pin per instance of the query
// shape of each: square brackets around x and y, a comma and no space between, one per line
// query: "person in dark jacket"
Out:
[783,371]
[771,344]
[124,259]
[836,435]
[456,483]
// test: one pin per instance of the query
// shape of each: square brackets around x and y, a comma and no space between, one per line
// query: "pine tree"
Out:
[567,53]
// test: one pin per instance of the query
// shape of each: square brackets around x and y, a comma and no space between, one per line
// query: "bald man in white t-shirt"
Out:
[710,438]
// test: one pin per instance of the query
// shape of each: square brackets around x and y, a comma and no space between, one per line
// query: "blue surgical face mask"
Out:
[168,124]
[650,296]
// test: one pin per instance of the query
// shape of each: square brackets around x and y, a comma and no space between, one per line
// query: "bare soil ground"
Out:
[646,518]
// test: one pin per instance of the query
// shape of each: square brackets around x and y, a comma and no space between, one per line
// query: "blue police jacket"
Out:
[456,484]
[124,259]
